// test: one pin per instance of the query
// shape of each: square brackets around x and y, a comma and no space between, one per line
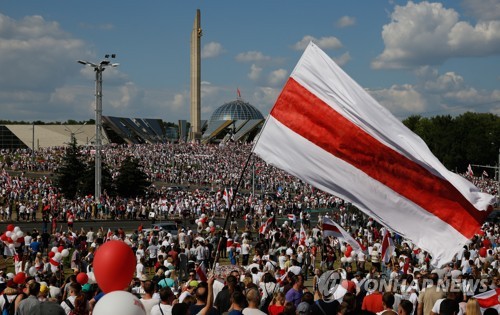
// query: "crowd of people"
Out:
[265,266]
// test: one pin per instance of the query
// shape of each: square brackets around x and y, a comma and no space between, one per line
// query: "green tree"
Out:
[68,175]
[87,185]
[131,180]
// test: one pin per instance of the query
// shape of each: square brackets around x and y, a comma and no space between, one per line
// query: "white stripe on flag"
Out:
[374,178]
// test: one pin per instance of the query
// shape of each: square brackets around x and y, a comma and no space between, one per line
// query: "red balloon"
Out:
[482,252]
[3,237]
[82,278]
[60,248]
[51,254]
[114,266]
[20,278]
[10,227]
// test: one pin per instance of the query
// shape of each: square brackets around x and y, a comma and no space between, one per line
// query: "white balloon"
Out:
[119,302]
[16,229]
[349,259]
[32,271]
[342,248]
[91,277]
[57,257]
[54,249]
[210,224]
[353,254]
[20,234]
[11,246]
[8,233]
[65,252]
[343,259]
[14,237]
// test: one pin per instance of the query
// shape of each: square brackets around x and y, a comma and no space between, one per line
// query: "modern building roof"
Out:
[236,110]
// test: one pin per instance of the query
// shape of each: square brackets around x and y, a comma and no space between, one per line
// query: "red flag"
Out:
[328,131]
[238,92]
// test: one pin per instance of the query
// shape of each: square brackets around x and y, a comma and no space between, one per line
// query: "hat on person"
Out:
[358,273]
[86,287]
[193,283]
[303,308]
[44,289]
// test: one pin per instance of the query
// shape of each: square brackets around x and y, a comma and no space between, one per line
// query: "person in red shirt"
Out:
[277,304]
[372,302]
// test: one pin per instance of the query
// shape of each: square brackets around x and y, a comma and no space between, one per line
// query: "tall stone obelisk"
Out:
[196,34]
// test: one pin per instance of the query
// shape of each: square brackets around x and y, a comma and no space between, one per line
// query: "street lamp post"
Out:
[98,69]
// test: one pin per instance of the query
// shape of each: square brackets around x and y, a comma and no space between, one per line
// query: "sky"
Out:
[414,57]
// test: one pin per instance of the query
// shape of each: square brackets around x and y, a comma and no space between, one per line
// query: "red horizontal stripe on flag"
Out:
[329,130]
[489,301]
[332,228]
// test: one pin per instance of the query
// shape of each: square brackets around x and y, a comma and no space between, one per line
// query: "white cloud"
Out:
[179,101]
[277,77]
[435,94]
[252,56]
[342,60]
[400,99]
[484,10]
[255,72]
[428,34]
[323,42]
[212,50]
[346,21]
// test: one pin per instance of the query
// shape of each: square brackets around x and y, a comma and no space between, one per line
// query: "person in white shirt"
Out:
[164,306]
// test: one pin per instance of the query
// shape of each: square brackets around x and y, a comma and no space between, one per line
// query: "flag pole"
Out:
[231,202]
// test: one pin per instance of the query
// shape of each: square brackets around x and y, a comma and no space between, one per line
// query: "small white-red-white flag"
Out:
[387,247]
[331,228]
[266,226]
[225,197]
[328,131]
[303,236]
[291,217]
[201,272]
[489,299]
[485,174]
[469,170]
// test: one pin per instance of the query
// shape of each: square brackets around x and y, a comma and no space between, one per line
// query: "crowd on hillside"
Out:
[211,168]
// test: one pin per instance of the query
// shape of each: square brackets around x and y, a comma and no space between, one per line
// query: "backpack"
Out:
[8,307]
[265,303]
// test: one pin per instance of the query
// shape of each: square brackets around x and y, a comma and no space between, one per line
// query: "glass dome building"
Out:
[233,121]
[236,110]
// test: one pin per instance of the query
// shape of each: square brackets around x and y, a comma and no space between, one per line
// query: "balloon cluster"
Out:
[56,255]
[13,237]
[349,254]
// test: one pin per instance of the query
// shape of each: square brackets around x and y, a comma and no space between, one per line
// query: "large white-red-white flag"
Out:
[331,228]
[387,247]
[489,299]
[328,131]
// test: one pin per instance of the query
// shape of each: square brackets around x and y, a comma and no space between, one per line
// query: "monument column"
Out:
[196,34]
